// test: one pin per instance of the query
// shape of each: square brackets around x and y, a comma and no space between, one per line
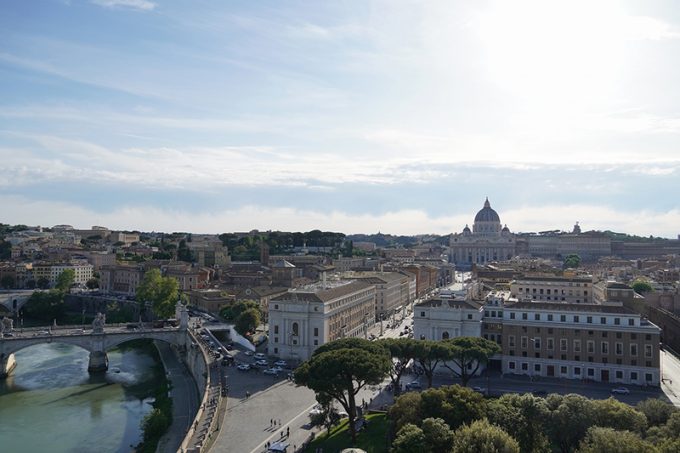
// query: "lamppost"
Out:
[381,323]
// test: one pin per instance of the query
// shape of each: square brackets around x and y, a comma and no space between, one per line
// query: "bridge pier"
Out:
[99,362]
[7,364]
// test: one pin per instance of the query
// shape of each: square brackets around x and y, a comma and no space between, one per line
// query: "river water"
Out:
[50,403]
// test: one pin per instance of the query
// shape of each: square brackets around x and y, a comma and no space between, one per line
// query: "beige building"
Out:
[446,317]
[577,290]
[262,295]
[604,343]
[304,318]
[392,292]
[120,279]
[125,238]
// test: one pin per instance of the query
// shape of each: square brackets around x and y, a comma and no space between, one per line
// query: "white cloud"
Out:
[143,5]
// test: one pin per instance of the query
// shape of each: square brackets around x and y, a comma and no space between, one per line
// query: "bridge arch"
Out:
[167,337]
[14,347]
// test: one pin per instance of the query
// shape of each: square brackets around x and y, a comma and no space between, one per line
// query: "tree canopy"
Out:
[402,351]
[572,261]
[341,368]
[161,292]
[65,280]
[467,354]
[482,436]
[641,287]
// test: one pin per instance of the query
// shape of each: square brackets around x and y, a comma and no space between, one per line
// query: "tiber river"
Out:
[50,403]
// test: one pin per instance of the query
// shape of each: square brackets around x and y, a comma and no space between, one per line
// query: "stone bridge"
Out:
[97,340]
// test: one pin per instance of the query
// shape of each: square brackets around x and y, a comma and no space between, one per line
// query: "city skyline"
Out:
[357,117]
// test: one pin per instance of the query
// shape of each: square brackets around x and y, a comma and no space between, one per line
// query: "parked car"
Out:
[620,391]
[271,371]
[243,367]
[260,356]
[261,363]
[478,389]
[281,363]
[278,369]
[414,385]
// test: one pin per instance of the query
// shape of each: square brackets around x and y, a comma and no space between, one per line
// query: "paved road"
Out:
[185,399]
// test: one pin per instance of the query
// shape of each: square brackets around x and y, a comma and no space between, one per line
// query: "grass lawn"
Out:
[371,439]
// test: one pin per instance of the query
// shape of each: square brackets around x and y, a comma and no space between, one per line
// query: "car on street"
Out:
[414,385]
[281,363]
[277,368]
[478,389]
[260,356]
[271,371]
[620,391]
[261,363]
[243,367]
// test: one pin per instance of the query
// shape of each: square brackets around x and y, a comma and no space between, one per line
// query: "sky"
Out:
[358,116]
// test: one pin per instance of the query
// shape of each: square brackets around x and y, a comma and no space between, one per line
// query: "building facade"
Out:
[304,318]
[443,318]
[577,290]
[487,241]
[603,343]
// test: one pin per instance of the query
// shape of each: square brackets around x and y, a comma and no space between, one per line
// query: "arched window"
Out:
[445,336]
[295,329]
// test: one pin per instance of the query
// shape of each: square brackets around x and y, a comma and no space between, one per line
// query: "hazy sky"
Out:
[353,116]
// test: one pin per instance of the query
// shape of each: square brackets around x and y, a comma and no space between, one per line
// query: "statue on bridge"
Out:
[6,325]
[98,323]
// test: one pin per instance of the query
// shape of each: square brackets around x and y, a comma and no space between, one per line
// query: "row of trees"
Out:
[456,419]
[49,305]
[340,369]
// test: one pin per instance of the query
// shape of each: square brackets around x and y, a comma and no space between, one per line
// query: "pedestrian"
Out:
[271,422]
[288,431]
[281,433]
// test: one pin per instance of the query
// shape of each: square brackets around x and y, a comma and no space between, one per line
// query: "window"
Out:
[603,320]
[633,336]
[276,339]
[648,337]
[276,328]
[591,346]
[577,371]
[445,336]
[537,343]
[648,377]
[631,322]
[591,372]
[576,318]
[589,319]
[605,347]
[618,335]
[511,365]
[524,342]
[633,376]
[525,366]
[618,349]
[512,316]
[563,318]
[276,306]
[617,321]
[316,331]
[577,345]
[648,350]
[619,374]
[524,316]
[633,349]
[422,314]
[296,329]
[511,341]
[537,367]
[550,317]
[469,316]
[604,334]
[563,370]
[550,344]
[563,344]
[316,342]
[276,350]
[537,316]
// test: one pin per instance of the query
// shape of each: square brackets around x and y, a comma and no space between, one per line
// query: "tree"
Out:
[92,283]
[469,352]
[161,292]
[571,261]
[65,280]
[45,305]
[341,368]
[7,281]
[523,417]
[42,283]
[410,438]
[608,440]
[247,321]
[641,287]
[612,413]
[405,410]
[454,404]
[656,410]
[232,312]
[569,418]
[438,435]
[429,354]
[483,437]
[402,351]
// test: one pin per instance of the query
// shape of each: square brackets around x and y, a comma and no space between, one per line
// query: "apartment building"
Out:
[304,318]
[392,292]
[604,343]
[566,289]
[121,279]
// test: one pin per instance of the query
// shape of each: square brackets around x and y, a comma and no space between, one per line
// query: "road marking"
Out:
[259,447]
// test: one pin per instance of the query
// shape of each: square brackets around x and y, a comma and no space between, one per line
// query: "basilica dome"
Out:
[486,214]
